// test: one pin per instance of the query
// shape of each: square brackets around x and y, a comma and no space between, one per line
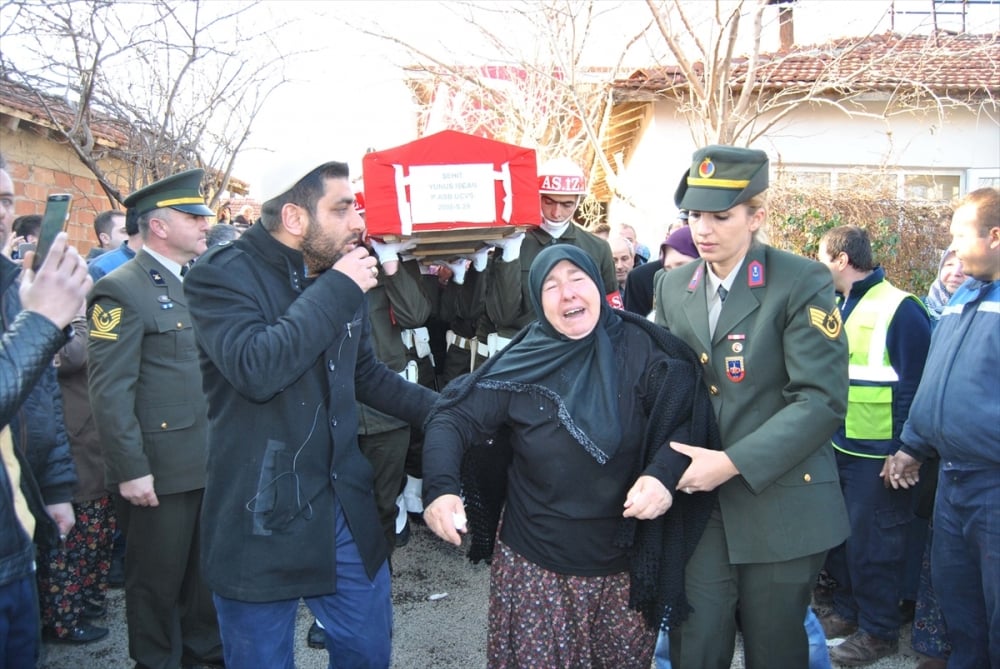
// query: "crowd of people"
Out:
[654,453]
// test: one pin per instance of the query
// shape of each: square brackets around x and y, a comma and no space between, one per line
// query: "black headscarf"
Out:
[579,375]
[659,548]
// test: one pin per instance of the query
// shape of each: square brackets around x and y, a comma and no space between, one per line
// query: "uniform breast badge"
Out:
[735,371]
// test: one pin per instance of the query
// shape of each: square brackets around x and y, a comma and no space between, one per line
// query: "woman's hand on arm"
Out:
[647,499]
[446,518]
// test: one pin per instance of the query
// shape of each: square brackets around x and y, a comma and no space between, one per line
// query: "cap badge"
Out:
[707,169]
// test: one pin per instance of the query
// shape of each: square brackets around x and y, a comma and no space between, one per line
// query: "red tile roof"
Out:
[21,102]
[955,65]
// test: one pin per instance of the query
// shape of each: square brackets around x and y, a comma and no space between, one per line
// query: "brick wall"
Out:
[39,166]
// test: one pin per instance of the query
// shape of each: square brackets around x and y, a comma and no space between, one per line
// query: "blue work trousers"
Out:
[965,563]
[357,619]
[869,565]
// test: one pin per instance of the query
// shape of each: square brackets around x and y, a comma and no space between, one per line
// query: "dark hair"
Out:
[987,204]
[853,241]
[105,221]
[219,233]
[29,224]
[305,193]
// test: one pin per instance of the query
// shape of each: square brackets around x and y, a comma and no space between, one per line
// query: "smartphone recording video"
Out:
[53,222]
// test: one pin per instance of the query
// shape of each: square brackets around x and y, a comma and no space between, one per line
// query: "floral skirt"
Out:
[76,574]
[538,618]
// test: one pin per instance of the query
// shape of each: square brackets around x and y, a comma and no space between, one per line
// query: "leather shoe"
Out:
[316,638]
[82,633]
[403,538]
[862,648]
[836,626]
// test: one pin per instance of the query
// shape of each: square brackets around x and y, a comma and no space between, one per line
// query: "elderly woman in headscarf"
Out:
[594,535]
[949,277]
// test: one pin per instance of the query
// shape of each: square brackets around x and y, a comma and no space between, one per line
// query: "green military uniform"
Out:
[150,410]
[396,302]
[776,368]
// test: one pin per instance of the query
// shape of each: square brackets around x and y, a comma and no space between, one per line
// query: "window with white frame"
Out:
[908,184]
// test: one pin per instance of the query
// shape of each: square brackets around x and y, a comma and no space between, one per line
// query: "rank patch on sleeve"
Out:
[828,323]
[105,324]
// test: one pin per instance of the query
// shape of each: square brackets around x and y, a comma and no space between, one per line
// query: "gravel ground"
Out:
[432,631]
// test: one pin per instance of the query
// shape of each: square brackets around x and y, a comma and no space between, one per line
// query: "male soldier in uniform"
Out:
[775,363]
[145,389]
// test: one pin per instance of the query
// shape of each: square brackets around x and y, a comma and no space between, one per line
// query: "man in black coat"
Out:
[281,321]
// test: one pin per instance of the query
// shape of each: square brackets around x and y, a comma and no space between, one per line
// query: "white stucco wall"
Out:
[816,137]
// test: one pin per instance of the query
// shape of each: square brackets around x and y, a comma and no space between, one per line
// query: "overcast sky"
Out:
[348,92]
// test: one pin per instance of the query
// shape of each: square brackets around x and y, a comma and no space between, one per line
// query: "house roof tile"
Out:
[950,64]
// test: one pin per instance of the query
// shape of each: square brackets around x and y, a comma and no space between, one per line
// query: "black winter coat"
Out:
[38,427]
[284,361]
[28,345]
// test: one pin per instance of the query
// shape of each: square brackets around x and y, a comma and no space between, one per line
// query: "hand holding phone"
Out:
[53,222]
[59,288]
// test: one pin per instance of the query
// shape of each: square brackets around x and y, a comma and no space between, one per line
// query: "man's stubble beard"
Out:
[317,254]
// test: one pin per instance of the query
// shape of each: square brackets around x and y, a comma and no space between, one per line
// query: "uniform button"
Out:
[807,478]
[163,425]
[180,326]
[333,423]
[704,358]
[330,365]
[333,475]
[714,390]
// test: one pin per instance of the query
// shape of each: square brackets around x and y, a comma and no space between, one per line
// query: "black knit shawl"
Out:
[658,549]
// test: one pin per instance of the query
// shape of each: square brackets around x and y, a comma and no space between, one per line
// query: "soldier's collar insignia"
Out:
[696,277]
[755,274]
[157,278]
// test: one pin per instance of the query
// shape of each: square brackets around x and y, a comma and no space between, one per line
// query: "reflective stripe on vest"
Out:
[869,398]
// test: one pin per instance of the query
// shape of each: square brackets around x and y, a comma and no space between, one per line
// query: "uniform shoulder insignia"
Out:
[105,323]
[827,322]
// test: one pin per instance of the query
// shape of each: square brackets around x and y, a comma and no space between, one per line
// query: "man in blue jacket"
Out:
[888,332]
[281,323]
[955,413]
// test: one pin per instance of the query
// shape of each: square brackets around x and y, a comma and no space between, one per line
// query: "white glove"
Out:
[458,270]
[390,252]
[480,257]
[511,246]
